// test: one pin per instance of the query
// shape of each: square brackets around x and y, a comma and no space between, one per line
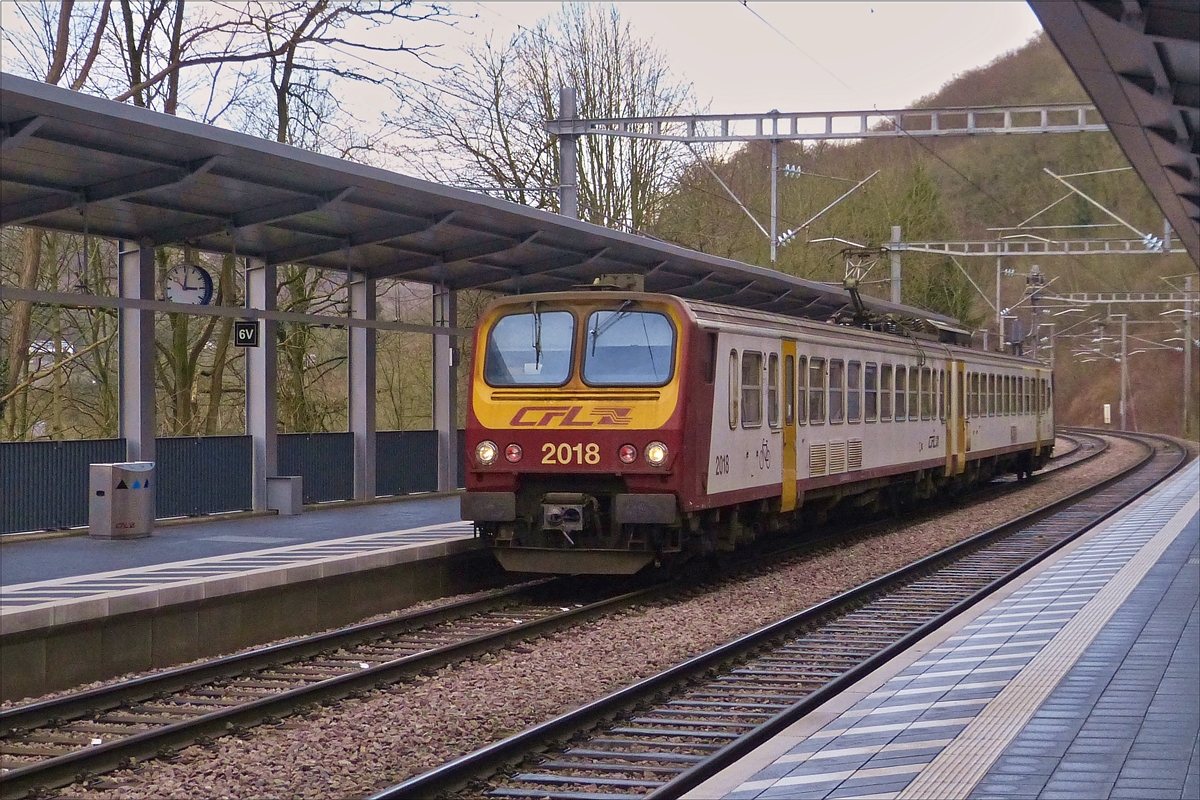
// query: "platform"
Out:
[1079,680]
[90,625]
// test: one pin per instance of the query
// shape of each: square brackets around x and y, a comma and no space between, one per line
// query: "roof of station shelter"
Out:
[1139,60]
[131,173]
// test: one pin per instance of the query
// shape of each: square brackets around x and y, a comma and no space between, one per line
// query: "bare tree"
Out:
[481,126]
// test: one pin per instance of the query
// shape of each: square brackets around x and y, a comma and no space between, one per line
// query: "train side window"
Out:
[789,390]
[943,392]
[837,390]
[871,392]
[773,390]
[816,391]
[854,392]
[885,393]
[710,356]
[802,390]
[752,372]
[1028,395]
[926,393]
[1009,405]
[991,395]
[901,381]
[734,389]
[914,393]
[972,401]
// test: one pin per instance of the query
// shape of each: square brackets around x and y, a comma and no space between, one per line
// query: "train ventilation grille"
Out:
[837,457]
[854,454]
[818,460]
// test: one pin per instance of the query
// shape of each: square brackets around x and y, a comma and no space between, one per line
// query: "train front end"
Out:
[574,431]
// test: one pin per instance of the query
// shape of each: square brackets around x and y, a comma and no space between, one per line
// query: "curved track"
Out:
[668,733]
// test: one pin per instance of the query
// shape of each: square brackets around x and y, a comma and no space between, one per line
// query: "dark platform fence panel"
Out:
[406,461]
[44,485]
[203,475]
[324,460]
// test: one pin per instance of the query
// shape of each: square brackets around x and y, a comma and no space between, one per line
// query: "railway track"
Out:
[59,741]
[664,735]
[62,740]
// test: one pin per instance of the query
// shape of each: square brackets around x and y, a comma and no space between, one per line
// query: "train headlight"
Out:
[656,454]
[513,453]
[486,452]
[627,454]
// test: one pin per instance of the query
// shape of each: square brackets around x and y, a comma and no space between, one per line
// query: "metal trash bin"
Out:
[121,500]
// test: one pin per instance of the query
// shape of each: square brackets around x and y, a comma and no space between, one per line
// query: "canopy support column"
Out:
[262,379]
[445,387]
[136,419]
[362,386]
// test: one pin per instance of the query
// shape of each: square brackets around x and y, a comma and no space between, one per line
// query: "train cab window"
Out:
[628,348]
[854,392]
[816,391]
[734,389]
[926,393]
[530,349]
[885,393]
[752,394]
[871,392]
[901,381]
[789,390]
[773,390]
[914,393]
[837,391]
[802,390]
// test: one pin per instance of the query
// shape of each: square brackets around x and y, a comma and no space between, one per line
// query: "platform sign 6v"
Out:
[245,332]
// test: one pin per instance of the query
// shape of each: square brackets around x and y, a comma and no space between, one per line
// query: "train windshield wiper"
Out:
[596,332]
[537,337]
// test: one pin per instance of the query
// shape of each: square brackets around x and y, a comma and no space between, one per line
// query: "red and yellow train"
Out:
[608,430]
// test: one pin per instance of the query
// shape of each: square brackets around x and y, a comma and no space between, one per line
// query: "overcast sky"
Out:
[841,55]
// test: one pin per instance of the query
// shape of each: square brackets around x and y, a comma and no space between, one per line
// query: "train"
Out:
[613,430]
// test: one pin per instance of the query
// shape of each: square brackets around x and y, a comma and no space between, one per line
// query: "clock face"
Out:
[189,283]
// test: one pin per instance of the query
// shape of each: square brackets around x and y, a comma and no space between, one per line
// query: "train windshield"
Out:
[628,348]
[531,349]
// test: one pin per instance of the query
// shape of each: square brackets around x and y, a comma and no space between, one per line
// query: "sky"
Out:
[801,56]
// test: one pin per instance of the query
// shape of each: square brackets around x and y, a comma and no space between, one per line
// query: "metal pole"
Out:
[136,422]
[362,374]
[445,387]
[1187,357]
[262,380]
[999,319]
[896,265]
[774,197]
[1124,369]
[568,176]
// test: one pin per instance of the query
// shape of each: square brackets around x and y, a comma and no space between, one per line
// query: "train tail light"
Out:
[486,452]
[656,454]
[513,453]
[627,454]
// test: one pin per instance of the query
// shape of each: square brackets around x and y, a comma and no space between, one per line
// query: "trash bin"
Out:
[121,500]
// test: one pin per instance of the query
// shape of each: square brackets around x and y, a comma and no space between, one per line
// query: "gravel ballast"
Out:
[362,745]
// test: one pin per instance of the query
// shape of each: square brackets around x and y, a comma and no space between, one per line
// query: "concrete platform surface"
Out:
[1080,680]
[28,560]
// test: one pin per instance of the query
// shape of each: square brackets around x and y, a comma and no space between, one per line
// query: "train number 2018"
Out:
[571,453]
[722,465]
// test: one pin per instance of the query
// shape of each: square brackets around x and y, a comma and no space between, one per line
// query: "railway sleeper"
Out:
[625,755]
[529,777]
[602,767]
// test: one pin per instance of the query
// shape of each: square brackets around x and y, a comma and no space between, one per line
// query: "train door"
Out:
[788,492]
[956,418]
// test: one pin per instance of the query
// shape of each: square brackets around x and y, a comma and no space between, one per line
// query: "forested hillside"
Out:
[963,188]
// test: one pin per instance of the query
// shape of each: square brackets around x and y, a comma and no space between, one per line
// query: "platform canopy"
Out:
[1139,60]
[130,173]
